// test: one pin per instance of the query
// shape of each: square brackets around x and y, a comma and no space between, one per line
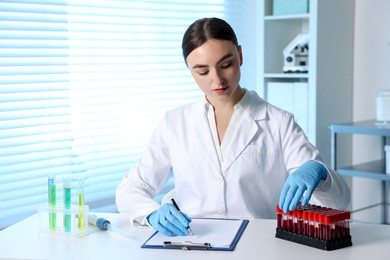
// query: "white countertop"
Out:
[24,241]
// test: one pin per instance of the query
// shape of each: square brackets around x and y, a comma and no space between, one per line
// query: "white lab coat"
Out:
[267,146]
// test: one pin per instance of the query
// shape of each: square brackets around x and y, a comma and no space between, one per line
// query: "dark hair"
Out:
[204,29]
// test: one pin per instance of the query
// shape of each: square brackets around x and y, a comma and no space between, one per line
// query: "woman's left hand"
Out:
[301,183]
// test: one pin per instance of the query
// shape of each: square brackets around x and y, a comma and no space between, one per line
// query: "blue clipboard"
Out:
[198,246]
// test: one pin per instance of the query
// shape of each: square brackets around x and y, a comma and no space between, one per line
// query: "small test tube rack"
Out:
[315,226]
[67,219]
[63,221]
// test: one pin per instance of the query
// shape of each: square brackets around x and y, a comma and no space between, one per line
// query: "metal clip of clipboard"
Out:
[186,245]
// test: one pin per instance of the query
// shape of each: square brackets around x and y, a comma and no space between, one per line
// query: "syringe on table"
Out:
[104,224]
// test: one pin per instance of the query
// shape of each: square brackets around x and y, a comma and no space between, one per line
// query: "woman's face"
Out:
[215,66]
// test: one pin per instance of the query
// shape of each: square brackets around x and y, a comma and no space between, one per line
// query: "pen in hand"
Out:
[177,207]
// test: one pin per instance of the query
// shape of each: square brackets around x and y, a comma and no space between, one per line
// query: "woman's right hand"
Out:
[169,221]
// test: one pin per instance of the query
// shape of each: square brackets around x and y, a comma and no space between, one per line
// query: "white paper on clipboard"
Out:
[218,232]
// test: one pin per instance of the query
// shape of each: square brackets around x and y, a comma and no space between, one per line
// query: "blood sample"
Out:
[316,226]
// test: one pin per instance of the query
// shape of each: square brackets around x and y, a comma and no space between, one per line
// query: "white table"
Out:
[23,241]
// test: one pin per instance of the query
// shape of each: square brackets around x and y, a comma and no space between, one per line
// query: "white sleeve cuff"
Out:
[140,222]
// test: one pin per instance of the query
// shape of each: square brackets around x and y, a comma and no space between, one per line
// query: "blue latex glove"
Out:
[305,178]
[169,221]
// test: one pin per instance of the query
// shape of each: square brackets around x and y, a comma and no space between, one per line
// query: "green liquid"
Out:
[52,203]
[67,204]
[81,223]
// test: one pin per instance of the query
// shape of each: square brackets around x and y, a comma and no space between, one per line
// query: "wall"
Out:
[244,15]
[371,72]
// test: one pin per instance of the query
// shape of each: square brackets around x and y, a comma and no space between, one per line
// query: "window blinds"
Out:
[82,86]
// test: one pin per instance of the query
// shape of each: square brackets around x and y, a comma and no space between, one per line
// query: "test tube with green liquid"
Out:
[67,204]
[81,215]
[51,184]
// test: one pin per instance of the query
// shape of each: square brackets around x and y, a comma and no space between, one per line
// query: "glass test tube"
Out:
[51,185]
[67,203]
[81,215]
[279,214]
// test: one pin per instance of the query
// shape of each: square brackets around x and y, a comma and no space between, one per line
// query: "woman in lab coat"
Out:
[232,154]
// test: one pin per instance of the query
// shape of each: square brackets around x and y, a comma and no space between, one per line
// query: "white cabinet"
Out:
[328,100]
[290,96]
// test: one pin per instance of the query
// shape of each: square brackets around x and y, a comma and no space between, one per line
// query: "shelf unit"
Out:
[329,24]
[371,170]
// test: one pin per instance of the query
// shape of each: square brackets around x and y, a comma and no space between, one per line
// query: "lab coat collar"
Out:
[250,102]
[247,128]
[254,109]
